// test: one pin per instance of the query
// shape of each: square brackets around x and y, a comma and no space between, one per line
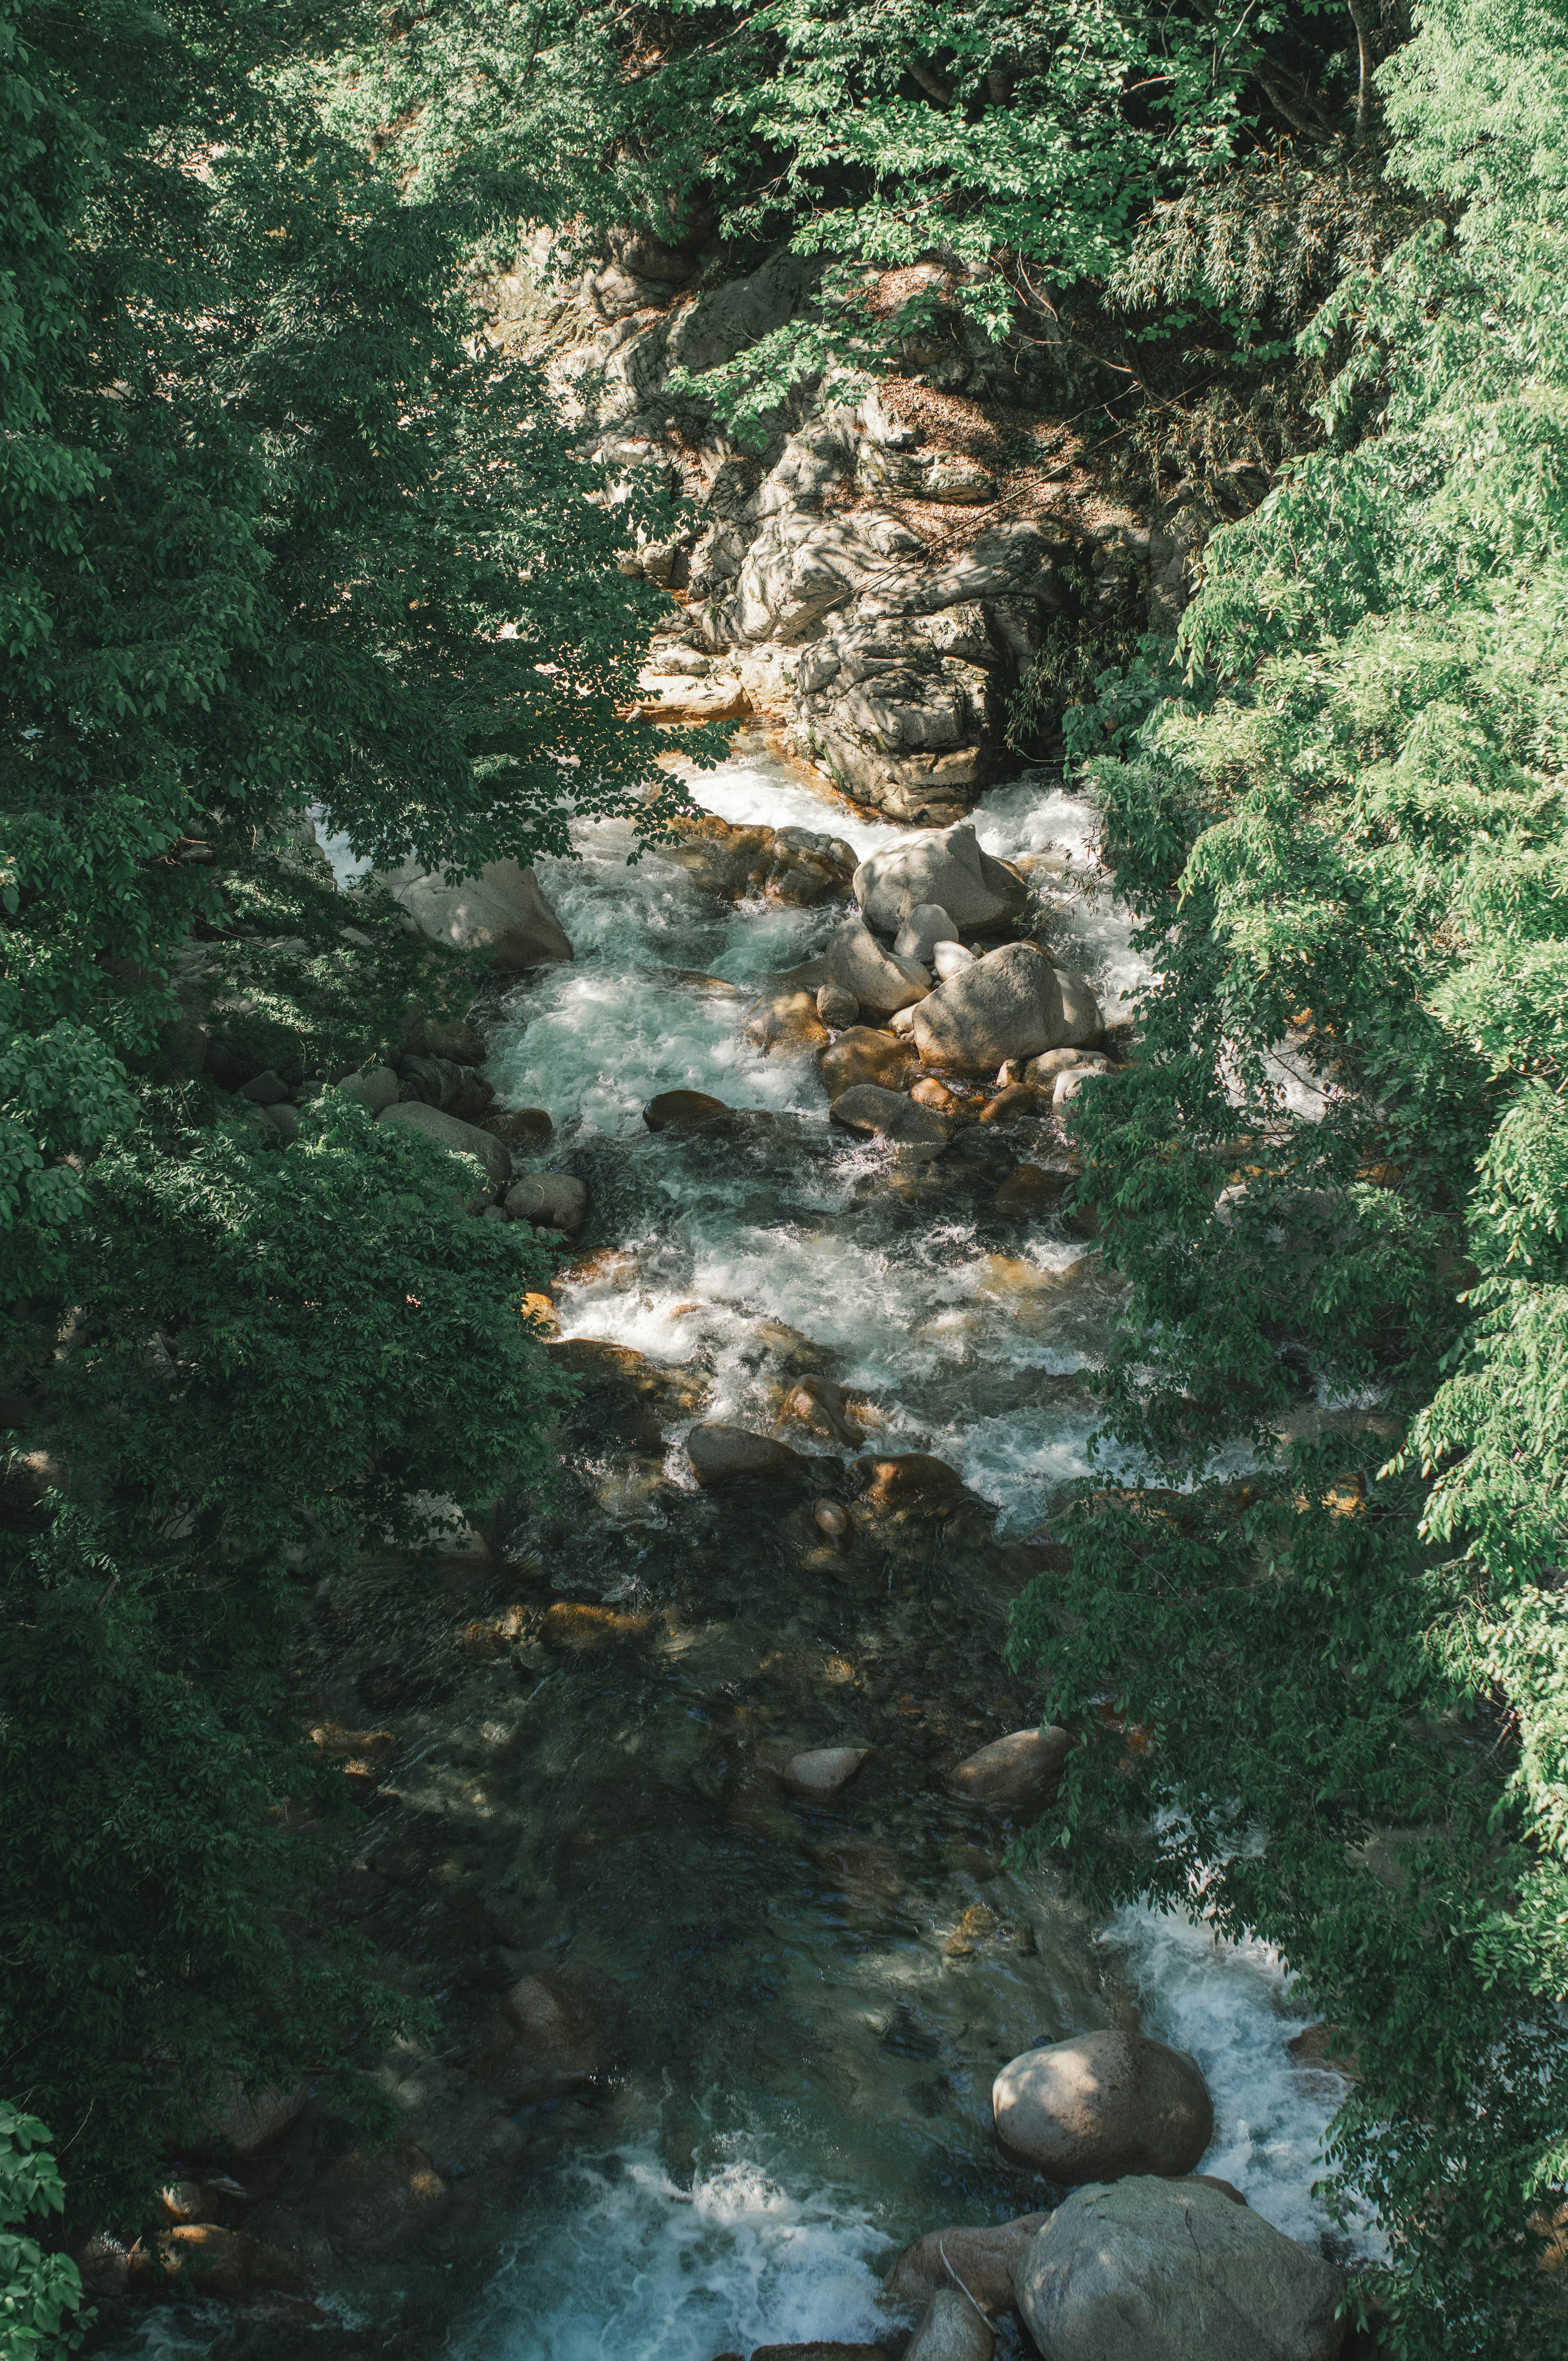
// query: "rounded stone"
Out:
[550,1201]
[680,1110]
[1019,1773]
[824,1770]
[1101,2105]
[449,1131]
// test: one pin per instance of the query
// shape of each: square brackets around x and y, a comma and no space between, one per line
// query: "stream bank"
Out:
[712,2050]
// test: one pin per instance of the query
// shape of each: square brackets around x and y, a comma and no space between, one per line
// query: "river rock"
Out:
[682,1110]
[728,1454]
[377,2202]
[888,1115]
[946,868]
[824,1770]
[449,1131]
[866,1054]
[204,2259]
[879,981]
[1019,1773]
[501,911]
[550,1201]
[836,1007]
[951,958]
[927,926]
[1172,2271]
[786,1018]
[250,2121]
[950,2329]
[986,2261]
[930,1092]
[521,1129]
[1041,1072]
[1100,2106]
[908,1479]
[1007,1004]
[1083,1025]
[1031,1189]
[376,1089]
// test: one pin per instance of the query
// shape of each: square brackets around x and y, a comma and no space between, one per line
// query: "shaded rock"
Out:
[1030,1189]
[378,1090]
[1041,1072]
[1016,1101]
[502,911]
[985,2260]
[378,2203]
[951,958]
[929,1092]
[837,1005]
[927,926]
[681,1110]
[284,1120]
[728,1454]
[950,2329]
[879,981]
[1172,2271]
[1083,1025]
[866,1054]
[817,1404]
[1007,1004]
[264,1089]
[441,1082]
[888,1115]
[908,1479]
[463,1138]
[1227,2188]
[452,1039]
[543,2038]
[817,2350]
[786,1018]
[253,2121]
[946,868]
[583,1630]
[794,867]
[521,1129]
[896,717]
[1020,1773]
[824,1770]
[1102,2105]
[550,1201]
[200,2258]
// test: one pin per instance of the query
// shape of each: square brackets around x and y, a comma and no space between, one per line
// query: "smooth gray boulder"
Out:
[1171,2270]
[550,1201]
[879,981]
[1007,1004]
[823,1770]
[927,926]
[888,1115]
[464,1138]
[946,868]
[1019,1773]
[952,2329]
[986,2260]
[502,911]
[1100,2106]
[1083,1024]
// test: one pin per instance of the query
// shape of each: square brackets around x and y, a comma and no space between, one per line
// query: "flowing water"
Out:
[797,2009]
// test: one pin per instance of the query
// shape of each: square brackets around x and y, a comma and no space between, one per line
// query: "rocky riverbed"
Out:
[688,1794]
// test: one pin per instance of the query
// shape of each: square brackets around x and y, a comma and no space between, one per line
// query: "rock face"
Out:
[1007,1004]
[986,2260]
[1104,2104]
[1019,1773]
[880,980]
[888,1115]
[464,1138]
[948,871]
[502,911]
[1171,2270]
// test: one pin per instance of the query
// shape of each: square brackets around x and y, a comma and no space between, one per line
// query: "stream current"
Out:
[832,2100]
[805,2003]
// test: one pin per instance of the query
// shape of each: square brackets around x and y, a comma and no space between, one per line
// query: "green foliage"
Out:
[39,2293]
[1340,1639]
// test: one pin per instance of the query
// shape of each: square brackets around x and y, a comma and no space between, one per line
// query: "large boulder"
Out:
[888,1115]
[450,1131]
[986,2260]
[879,979]
[864,1053]
[502,911]
[682,1111]
[1171,2270]
[1019,1773]
[1102,2105]
[1007,1004]
[950,2329]
[947,869]
[548,1201]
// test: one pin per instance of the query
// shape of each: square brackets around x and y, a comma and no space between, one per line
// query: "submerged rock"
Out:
[1007,1004]
[985,2260]
[1019,1773]
[946,868]
[1171,2270]
[824,1770]
[1104,2104]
